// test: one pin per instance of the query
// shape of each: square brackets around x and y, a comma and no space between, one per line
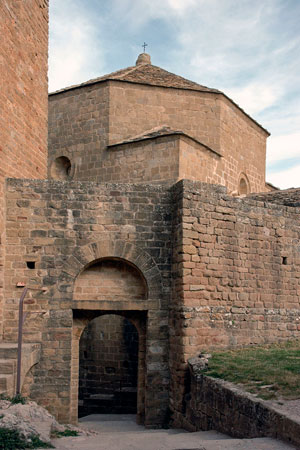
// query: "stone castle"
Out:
[152,237]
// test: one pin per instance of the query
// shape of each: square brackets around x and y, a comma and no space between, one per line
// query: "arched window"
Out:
[243,186]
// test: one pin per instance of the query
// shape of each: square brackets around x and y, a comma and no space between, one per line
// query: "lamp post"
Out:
[20,337]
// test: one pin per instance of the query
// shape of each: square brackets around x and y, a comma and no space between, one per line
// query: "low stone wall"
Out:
[287,197]
[220,405]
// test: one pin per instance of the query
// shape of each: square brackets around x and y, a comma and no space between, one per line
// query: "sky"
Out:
[249,49]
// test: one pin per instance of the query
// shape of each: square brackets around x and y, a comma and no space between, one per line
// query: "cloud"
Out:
[137,13]
[181,5]
[283,160]
[254,97]
[75,54]
[285,179]
[284,117]
[283,148]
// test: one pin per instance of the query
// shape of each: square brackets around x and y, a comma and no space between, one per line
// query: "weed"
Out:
[12,440]
[65,433]
[18,398]
[37,443]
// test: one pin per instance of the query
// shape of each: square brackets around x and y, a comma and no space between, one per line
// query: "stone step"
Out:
[102,396]
[8,366]
[122,432]
[7,384]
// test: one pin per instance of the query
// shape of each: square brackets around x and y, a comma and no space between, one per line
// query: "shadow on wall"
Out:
[108,367]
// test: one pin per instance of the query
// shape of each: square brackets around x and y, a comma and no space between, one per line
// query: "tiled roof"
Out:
[146,74]
[163,130]
[160,131]
[153,75]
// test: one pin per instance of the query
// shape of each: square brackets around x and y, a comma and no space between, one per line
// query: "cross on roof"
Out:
[144,46]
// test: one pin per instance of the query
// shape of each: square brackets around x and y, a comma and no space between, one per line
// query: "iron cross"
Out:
[144,46]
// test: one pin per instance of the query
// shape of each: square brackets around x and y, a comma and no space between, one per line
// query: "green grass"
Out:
[12,440]
[271,371]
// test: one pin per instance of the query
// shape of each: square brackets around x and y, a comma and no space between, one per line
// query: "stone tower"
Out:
[23,103]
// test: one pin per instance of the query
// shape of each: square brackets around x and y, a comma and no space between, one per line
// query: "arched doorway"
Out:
[108,366]
[109,338]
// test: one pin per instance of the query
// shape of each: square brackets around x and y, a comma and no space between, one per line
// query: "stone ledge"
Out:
[221,405]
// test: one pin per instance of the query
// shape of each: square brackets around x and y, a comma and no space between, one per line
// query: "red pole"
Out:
[20,338]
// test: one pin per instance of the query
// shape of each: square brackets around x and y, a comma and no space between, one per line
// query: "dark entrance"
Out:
[108,366]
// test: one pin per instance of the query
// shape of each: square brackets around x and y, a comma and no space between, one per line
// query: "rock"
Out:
[28,419]
[198,363]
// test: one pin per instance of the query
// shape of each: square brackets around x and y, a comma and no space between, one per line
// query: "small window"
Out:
[61,169]
[30,264]
[243,187]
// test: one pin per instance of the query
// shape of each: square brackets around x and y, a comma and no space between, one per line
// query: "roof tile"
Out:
[146,74]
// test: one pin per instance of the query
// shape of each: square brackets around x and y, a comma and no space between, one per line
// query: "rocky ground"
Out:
[30,419]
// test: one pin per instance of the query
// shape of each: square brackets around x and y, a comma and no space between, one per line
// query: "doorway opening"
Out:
[109,339]
[108,366]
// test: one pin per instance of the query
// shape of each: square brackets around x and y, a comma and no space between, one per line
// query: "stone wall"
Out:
[210,118]
[287,197]
[114,279]
[236,275]
[198,163]
[2,248]
[161,159]
[149,160]
[137,108]
[244,148]
[23,81]
[23,103]
[62,228]
[78,130]
[235,278]
[219,405]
